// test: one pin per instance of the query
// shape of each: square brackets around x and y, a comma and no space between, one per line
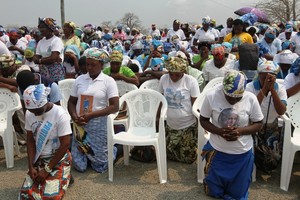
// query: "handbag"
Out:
[264,157]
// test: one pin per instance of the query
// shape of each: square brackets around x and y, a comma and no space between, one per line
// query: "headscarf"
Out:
[295,68]
[71,24]
[6,61]
[137,45]
[286,45]
[234,83]
[49,22]
[271,33]
[22,68]
[116,56]
[97,54]
[176,64]
[227,47]
[35,96]
[78,32]
[88,28]
[157,45]
[249,18]
[268,66]
[217,49]
[29,52]
[206,20]
[73,49]
[285,57]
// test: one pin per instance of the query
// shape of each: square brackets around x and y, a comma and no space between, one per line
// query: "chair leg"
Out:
[160,150]
[200,168]
[8,148]
[286,168]
[110,160]
[254,173]
[126,149]
[16,144]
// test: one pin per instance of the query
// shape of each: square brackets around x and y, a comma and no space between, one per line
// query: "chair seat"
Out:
[138,137]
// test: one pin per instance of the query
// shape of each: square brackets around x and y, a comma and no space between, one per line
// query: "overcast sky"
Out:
[161,12]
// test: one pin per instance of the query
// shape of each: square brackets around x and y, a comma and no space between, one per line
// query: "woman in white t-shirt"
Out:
[180,90]
[50,51]
[292,80]
[94,96]
[231,115]
[48,142]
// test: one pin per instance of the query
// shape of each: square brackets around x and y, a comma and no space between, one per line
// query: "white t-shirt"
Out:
[4,38]
[291,80]
[239,115]
[225,31]
[46,47]
[210,71]
[4,49]
[179,33]
[20,44]
[101,89]
[32,65]
[60,121]
[265,102]
[206,36]
[178,95]
[282,37]
[296,40]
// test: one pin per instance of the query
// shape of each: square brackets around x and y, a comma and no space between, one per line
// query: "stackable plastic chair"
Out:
[291,141]
[142,107]
[65,87]
[150,84]
[9,103]
[213,83]
[123,88]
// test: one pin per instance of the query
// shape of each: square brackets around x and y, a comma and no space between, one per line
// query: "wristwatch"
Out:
[47,168]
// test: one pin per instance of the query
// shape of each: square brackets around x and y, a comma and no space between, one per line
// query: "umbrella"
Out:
[262,17]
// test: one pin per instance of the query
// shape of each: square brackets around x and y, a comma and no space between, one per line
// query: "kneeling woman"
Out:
[48,140]
[180,90]
[235,114]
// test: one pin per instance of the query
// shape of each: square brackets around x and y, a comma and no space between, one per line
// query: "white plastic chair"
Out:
[214,83]
[123,88]
[142,106]
[9,103]
[203,137]
[150,84]
[291,141]
[65,87]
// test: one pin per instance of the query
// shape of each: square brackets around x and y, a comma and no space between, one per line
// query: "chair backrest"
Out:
[151,84]
[65,87]
[9,101]
[142,107]
[124,87]
[198,102]
[293,107]
[214,83]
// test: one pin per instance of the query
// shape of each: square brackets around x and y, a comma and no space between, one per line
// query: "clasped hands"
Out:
[230,133]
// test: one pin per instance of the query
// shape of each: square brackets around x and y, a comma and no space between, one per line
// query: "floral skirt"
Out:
[55,71]
[55,184]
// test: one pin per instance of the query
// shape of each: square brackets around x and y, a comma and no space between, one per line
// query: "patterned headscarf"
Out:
[6,61]
[287,45]
[268,66]
[206,20]
[227,47]
[234,83]
[271,32]
[285,57]
[116,56]
[97,54]
[295,68]
[49,22]
[217,49]
[71,24]
[29,52]
[35,96]
[176,64]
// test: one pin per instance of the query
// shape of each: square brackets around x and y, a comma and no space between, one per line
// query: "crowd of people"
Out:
[250,56]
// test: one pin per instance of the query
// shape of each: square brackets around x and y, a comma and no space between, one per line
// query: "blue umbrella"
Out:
[261,15]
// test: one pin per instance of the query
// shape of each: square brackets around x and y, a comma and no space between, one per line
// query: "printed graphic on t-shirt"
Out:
[174,98]
[86,104]
[228,118]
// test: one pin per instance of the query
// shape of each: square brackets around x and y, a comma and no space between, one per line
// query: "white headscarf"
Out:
[35,96]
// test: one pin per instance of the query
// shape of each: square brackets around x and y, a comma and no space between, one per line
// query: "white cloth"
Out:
[101,88]
[4,38]
[296,40]
[265,102]
[282,37]
[4,49]
[20,44]
[210,71]
[155,32]
[46,47]
[178,95]
[225,31]
[60,120]
[179,33]
[206,36]
[32,65]
[248,109]
[291,80]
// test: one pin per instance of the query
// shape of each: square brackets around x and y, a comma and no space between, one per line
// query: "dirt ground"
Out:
[140,181]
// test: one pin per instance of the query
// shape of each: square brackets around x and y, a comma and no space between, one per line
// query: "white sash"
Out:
[42,137]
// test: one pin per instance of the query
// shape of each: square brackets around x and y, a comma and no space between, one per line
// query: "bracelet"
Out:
[47,168]
[262,92]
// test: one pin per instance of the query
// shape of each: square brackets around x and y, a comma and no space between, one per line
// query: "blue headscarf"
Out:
[73,49]
[295,68]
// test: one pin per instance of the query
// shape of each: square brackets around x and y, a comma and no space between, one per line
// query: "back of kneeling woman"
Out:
[235,114]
